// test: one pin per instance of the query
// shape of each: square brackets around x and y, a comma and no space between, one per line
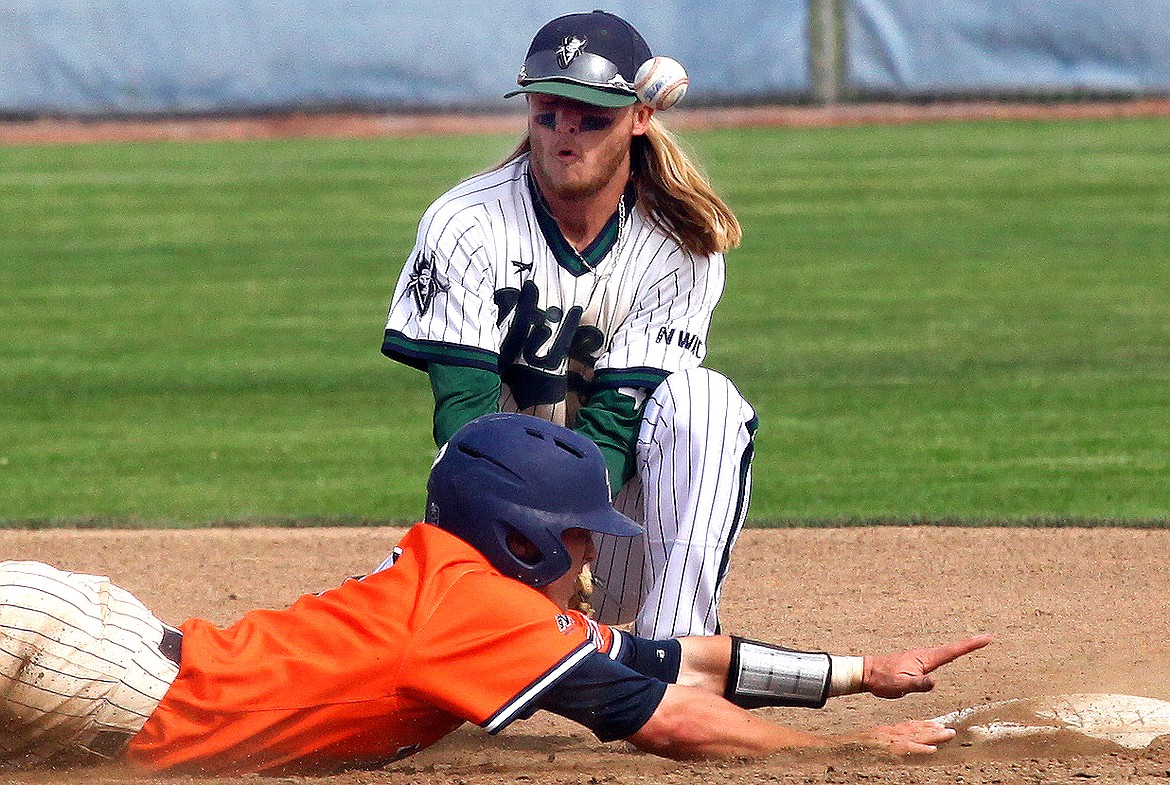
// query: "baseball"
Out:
[661,82]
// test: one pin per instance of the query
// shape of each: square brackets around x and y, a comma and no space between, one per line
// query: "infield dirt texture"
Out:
[1073,610]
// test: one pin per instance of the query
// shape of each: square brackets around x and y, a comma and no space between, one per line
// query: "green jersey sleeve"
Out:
[612,419]
[461,394]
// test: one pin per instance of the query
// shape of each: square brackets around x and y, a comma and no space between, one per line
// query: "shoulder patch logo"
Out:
[564,622]
[424,282]
[571,47]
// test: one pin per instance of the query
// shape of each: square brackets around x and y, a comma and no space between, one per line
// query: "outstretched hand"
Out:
[915,737]
[896,675]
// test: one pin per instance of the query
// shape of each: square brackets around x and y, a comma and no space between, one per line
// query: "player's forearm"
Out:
[611,420]
[753,674]
[704,662]
[690,724]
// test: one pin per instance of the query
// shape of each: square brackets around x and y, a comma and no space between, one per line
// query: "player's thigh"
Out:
[78,651]
[694,456]
[619,566]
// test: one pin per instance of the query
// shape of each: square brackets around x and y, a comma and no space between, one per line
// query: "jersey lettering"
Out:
[588,343]
[532,329]
[532,387]
[682,339]
[537,344]
[689,341]
[540,334]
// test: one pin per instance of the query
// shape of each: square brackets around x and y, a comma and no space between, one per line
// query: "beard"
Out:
[581,178]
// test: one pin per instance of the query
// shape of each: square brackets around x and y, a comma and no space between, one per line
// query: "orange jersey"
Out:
[365,673]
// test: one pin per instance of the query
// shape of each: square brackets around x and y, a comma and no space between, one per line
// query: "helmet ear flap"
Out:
[510,484]
[522,548]
[535,555]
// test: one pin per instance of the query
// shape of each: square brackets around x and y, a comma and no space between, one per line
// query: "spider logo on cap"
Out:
[568,51]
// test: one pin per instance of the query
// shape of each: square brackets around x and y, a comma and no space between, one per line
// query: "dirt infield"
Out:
[356,125]
[1073,610]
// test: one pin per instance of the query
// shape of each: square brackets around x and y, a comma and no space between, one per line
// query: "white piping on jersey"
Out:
[508,713]
[615,648]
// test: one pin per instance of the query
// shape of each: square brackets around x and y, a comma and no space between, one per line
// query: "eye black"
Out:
[595,122]
[589,122]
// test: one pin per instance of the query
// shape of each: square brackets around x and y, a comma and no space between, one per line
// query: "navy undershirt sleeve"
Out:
[658,659]
[607,697]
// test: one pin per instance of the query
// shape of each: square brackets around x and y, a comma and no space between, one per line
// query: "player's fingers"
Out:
[916,737]
[914,748]
[929,732]
[949,652]
[940,734]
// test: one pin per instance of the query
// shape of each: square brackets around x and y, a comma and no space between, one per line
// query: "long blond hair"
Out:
[673,192]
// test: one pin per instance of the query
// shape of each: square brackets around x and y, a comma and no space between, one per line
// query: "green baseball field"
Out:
[955,322]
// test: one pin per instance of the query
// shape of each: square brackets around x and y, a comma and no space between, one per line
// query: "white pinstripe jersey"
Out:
[492,284]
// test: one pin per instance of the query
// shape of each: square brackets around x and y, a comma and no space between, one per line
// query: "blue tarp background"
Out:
[101,57]
[1008,46]
[112,56]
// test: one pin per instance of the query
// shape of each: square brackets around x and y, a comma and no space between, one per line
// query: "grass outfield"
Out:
[952,322]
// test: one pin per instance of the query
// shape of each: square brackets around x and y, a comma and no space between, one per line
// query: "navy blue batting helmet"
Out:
[506,474]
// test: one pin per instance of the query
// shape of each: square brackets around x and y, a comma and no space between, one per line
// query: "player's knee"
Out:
[698,394]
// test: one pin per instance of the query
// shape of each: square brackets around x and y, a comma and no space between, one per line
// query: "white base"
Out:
[1127,720]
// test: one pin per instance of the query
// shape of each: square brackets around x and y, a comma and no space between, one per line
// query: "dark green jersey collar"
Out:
[579,263]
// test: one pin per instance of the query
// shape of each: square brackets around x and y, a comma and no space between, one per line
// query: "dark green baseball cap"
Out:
[589,57]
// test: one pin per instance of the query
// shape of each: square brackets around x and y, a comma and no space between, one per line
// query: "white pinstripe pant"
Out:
[79,665]
[690,493]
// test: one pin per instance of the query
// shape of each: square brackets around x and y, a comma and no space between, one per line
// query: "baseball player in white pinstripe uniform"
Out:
[576,282]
